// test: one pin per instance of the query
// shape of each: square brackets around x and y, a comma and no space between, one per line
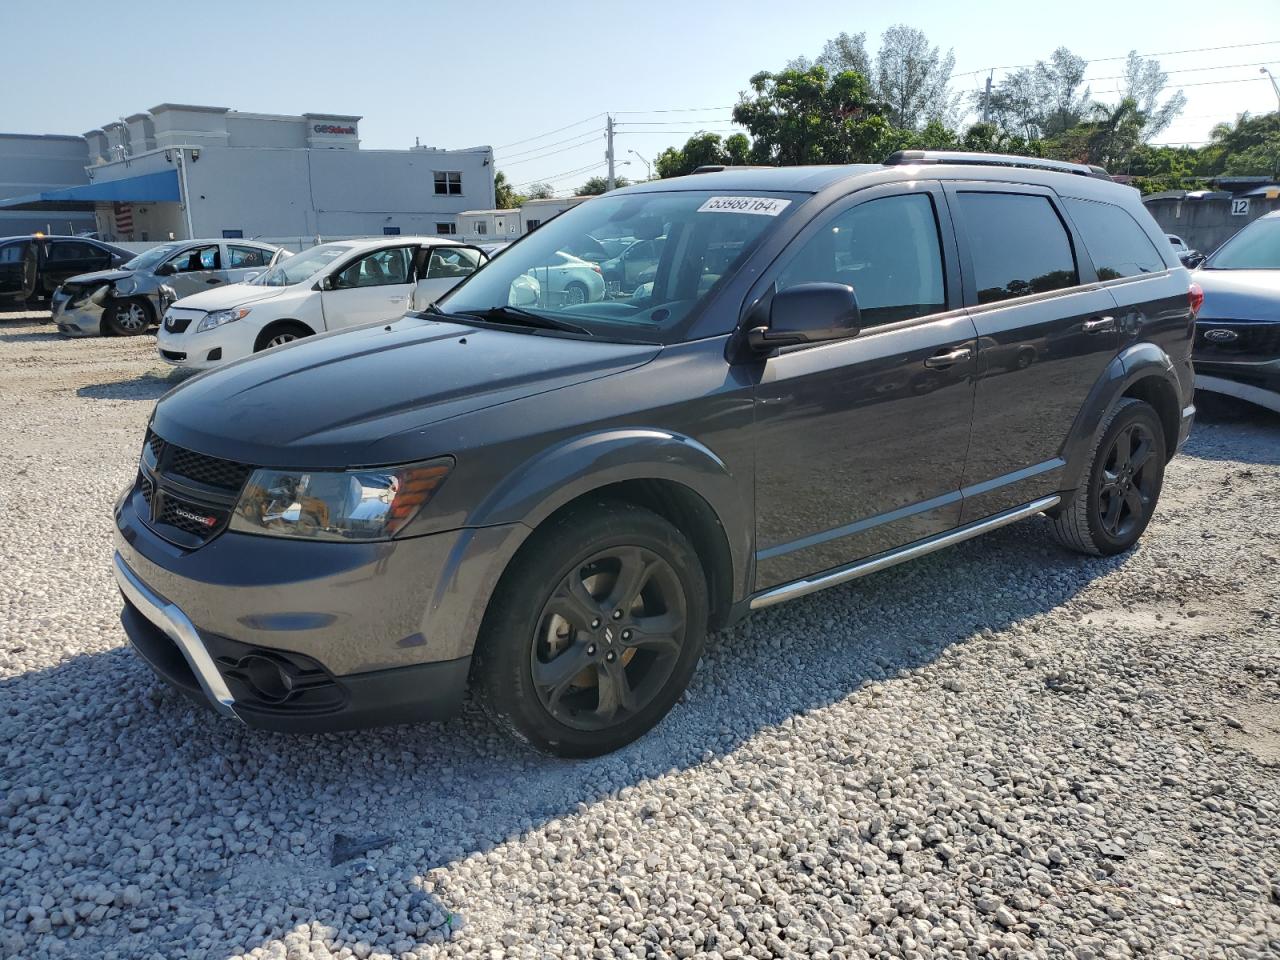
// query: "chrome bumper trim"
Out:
[799,588]
[181,631]
[1241,391]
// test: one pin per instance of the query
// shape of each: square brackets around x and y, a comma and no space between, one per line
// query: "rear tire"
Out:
[129,317]
[576,293]
[1121,485]
[593,631]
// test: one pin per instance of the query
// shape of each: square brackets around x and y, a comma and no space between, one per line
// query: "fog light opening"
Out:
[267,678]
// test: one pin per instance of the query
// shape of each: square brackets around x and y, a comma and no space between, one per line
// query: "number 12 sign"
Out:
[1240,207]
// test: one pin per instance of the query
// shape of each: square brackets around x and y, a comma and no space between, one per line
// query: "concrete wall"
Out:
[264,131]
[1205,223]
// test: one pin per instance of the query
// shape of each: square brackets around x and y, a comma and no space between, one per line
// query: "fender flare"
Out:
[532,491]
[1137,362]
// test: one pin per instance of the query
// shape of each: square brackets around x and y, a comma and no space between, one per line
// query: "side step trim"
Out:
[800,588]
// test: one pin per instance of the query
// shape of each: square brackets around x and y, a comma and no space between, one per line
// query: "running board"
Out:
[799,588]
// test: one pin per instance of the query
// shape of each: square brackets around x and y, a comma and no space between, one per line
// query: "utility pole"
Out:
[608,153]
[986,101]
[1274,85]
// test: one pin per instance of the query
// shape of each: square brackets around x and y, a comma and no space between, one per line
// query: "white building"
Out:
[182,171]
[492,226]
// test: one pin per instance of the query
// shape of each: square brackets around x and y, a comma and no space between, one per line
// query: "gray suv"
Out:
[834,369]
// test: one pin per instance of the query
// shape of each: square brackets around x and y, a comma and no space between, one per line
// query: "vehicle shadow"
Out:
[149,386]
[1230,429]
[38,337]
[266,811]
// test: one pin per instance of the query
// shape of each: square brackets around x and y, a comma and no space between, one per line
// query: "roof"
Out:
[804,179]
[147,188]
[483,213]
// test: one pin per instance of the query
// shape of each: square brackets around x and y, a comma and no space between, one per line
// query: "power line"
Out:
[547,146]
[1163,53]
[567,126]
[666,123]
[561,176]
[551,153]
[674,110]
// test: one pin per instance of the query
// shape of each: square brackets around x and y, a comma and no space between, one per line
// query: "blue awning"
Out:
[147,188]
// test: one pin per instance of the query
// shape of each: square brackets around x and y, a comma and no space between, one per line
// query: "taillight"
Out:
[1195,298]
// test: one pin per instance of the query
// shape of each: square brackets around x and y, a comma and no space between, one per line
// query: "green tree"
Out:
[1042,100]
[539,191]
[1249,147]
[703,149]
[913,79]
[598,185]
[796,117]
[504,195]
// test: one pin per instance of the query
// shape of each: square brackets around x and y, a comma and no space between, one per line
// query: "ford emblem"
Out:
[1221,335]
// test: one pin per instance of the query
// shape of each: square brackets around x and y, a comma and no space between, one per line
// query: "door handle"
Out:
[1099,325]
[213,280]
[396,299]
[940,361]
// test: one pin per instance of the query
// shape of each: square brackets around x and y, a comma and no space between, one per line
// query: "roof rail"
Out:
[721,167]
[904,157]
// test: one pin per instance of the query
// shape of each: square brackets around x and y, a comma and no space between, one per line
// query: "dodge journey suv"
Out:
[831,370]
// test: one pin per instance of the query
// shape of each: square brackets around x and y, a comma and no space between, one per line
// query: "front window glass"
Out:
[663,255]
[196,259]
[149,259]
[1256,247]
[1018,244]
[452,262]
[378,269]
[302,266]
[887,250]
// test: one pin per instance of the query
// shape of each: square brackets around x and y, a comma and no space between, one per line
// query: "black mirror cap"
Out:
[808,313]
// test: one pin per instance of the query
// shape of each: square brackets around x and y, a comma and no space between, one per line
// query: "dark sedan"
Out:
[1237,346]
[32,267]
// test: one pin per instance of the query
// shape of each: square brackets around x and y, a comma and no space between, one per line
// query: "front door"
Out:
[1046,332]
[373,287]
[196,269]
[861,443]
[440,268]
[11,256]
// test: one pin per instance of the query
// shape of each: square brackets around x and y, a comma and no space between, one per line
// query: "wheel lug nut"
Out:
[591,650]
[610,656]
[626,634]
[595,623]
[617,614]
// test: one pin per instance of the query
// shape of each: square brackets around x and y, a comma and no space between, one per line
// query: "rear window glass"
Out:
[1018,245]
[1118,246]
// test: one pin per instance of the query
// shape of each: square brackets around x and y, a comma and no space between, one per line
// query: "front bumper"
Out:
[82,320]
[299,636]
[201,351]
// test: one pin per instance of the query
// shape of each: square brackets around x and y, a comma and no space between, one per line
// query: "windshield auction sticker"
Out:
[764,206]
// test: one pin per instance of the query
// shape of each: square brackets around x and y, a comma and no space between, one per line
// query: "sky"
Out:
[535,79]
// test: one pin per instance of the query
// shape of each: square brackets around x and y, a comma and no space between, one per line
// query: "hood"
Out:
[1239,294]
[228,295]
[361,397]
[99,277]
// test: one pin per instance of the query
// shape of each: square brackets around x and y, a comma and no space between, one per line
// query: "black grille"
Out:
[176,324]
[1253,341]
[174,355]
[189,496]
[224,474]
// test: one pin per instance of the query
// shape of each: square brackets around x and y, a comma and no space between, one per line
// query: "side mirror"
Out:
[1194,260]
[808,313]
[327,283]
[166,270]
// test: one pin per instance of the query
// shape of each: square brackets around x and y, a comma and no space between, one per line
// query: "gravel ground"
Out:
[1003,750]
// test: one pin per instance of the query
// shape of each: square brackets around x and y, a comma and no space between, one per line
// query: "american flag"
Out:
[124,218]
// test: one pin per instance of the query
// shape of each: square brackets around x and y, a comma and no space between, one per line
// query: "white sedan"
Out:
[329,287]
[568,280]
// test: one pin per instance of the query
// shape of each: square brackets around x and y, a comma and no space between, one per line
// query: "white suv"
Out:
[328,287]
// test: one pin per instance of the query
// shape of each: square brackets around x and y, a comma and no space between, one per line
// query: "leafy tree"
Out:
[1143,83]
[846,52]
[700,150]
[911,77]
[797,117]
[504,195]
[990,138]
[1249,147]
[598,185]
[1042,100]
[539,191]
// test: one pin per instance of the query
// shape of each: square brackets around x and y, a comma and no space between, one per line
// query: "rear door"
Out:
[1046,332]
[242,262]
[196,269]
[438,269]
[374,286]
[861,443]
[11,256]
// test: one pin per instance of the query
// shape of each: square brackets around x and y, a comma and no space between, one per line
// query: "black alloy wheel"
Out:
[1130,481]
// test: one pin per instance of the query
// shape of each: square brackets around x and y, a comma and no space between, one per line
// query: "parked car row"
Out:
[32,267]
[818,373]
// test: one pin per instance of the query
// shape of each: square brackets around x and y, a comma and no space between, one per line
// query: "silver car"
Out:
[1237,346]
[131,298]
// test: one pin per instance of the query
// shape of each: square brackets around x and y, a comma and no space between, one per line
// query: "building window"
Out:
[482,228]
[448,183]
[391,231]
[232,234]
[532,225]
[446,229]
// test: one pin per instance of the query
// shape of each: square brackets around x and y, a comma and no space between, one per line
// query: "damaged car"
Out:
[132,298]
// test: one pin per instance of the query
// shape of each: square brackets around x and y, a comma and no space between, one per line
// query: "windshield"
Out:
[302,266]
[1256,247]
[153,257]
[629,266]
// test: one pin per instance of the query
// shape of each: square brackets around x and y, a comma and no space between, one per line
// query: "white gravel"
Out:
[1004,750]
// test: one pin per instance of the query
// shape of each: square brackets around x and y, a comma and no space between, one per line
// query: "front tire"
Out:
[593,632]
[1114,504]
[280,334]
[576,293]
[128,318]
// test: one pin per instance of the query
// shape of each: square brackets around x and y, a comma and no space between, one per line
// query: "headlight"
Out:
[373,503]
[126,286]
[99,296]
[219,317]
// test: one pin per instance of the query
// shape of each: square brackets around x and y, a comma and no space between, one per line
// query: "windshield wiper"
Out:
[509,314]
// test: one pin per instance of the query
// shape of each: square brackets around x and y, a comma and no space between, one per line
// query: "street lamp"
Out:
[1274,85]
[647,165]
